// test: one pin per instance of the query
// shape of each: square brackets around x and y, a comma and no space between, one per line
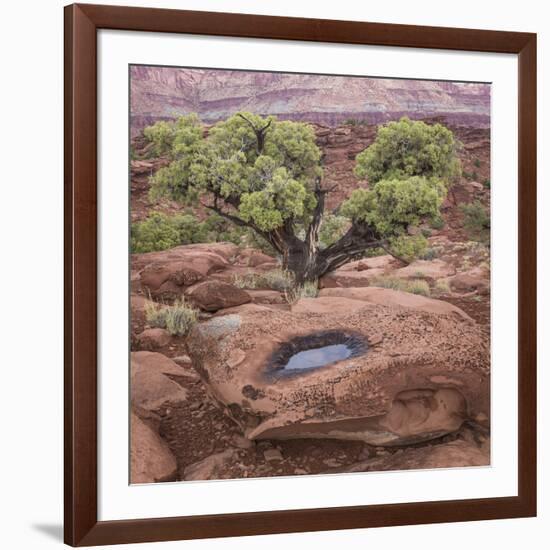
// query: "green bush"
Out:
[487,183]
[437,223]
[408,247]
[178,319]
[407,148]
[429,254]
[157,232]
[477,222]
[161,231]
[477,163]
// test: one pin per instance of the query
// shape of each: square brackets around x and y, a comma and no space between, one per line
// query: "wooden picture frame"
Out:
[82,22]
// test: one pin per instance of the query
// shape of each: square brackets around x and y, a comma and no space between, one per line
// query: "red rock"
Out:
[215,295]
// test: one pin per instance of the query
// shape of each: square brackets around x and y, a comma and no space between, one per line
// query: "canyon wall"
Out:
[164,92]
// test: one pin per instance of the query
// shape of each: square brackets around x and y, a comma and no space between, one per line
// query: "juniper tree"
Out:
[266,175]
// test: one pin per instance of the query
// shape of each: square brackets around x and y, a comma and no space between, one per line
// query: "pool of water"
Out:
[306,352]
[318,357]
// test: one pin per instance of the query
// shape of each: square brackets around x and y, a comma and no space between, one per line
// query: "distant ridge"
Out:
[164,92]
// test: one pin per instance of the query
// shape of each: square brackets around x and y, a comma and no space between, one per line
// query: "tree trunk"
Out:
[308,263]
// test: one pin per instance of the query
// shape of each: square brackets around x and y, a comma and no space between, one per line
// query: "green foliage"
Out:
[437,223]
[157,232]
[415,286]
[487,183]
[161,231]
[392,205]
[405,148]
[267,185]
[178,319]
[408,247]
[374,252]
[477,163]
[332,228]
[476,221]
[429,254]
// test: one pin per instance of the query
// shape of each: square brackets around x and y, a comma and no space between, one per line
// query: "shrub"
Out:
[487,183]
[276,279]
[414,286]
[178,319]
[373,252]
[442,287]
[157,232]
[418,286]
[437,223]
[408,247]
[429,254]
[477,163]
[249,280]
[477,222]
[309,289]
[279,279]
[426,232]
[406,148]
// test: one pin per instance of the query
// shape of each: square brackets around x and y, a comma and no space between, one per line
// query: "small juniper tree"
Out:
[266,175]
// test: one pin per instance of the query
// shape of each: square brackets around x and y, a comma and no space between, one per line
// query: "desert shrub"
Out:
[487,183]
[249,280]
[442,286]
[426,232]
[332,229]
[374,252]
[477,222]
[309,289]
[418,286]
[157,232]
[437,223]
[279,279]
[429,254]
[178,319]
[477,163]
[405,148]
[276,279]
[408,247]
[414,286]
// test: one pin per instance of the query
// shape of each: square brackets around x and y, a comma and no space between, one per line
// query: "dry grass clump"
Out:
[309,289]
[442,286]
[414,286]
[178,319]
[276,279]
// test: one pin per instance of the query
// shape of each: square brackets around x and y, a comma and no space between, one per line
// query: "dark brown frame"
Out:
[81,524]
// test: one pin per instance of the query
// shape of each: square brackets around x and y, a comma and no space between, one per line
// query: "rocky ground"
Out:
[188,419]
[202,408]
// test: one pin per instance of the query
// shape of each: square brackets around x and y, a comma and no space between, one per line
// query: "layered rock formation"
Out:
[164,92]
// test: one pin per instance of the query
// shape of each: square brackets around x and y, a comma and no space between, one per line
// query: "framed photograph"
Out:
[300,275]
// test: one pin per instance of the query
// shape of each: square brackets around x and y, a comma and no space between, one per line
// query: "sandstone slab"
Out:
[396,298]
[151,460]
[215,295]
[430,270]
[427,373]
